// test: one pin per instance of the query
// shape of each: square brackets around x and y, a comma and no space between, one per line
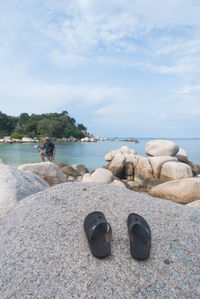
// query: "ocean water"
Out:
[89,154]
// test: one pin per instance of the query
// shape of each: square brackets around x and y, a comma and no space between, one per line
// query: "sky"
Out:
[126,68]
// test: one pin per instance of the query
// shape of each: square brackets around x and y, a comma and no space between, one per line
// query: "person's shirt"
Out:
[49,147]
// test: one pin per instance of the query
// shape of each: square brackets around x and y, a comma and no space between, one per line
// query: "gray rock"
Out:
[16,185]
[182,155]
[81,169]
[70,171]
[49,171]
[161,148]
[143,171]
[45,254]
[181,191]
[100,175]
[116,166]
[175,171]
[157,163]
[61,164]
[1,162]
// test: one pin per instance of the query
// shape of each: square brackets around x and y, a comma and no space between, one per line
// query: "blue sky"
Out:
[121,67]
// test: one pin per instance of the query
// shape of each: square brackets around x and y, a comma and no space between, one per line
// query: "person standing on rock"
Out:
[49,148]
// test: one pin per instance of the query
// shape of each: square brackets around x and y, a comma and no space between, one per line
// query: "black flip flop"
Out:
[98,233]
[140,236]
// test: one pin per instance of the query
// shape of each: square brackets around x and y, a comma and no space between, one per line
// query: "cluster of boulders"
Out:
[165,172]
[9,140]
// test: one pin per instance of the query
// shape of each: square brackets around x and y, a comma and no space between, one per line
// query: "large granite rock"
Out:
[49,171]
[100,175]
[182,155]
[157,163]
[45,254]
[143,171]
[161,148]
[16,185]
[175,171]
[181,191]
[116,166]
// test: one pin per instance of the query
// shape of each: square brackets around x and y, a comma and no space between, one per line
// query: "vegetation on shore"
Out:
[40,125]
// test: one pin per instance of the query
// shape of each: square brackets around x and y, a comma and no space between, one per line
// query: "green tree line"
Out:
[40,125]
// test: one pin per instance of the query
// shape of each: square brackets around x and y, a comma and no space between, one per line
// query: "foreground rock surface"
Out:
[49,171]
[180,191]
[44,252]
[16,185]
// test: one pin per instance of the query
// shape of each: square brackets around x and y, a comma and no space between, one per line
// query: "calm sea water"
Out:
[89,154]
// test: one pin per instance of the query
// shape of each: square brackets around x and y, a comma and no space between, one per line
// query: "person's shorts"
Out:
[50,158]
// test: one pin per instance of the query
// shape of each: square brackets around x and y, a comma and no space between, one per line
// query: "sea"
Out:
[90,154]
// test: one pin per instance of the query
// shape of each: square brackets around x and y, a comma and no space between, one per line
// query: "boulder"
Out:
[157,163]
[100,175]
[161,148]
[61,164]
[143,172]
[49,171]
[127,150]
[180,191]
[70,171]
[116,166]
[45,253]
[195,204]
[16,185]
[118,183]
[182,155]
[1,162]
[109,156]
[175,171]
[82,169]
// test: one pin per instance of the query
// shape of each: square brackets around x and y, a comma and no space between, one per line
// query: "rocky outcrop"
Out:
[180,191]
[48,171]
[16,185]
[100,175]
[161,148]
[45,254]
[175,171]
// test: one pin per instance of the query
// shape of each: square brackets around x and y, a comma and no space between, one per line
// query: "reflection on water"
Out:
[90,154]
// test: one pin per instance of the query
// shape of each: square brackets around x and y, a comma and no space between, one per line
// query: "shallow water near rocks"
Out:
[89,154]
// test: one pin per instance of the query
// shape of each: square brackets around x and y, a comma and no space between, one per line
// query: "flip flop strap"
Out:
[138,223]
[108,233]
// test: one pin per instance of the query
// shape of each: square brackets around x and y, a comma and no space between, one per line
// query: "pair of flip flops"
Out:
[99,232]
